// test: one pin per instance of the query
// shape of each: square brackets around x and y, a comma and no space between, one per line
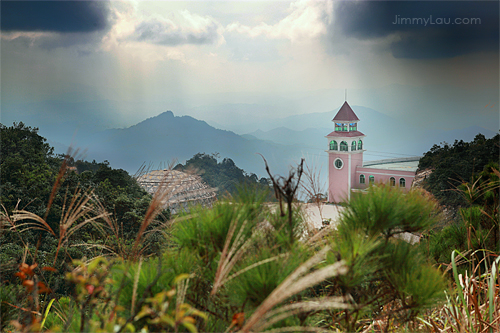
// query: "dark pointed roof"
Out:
[345,114]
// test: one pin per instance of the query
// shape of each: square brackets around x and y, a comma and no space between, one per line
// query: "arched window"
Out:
[360,145]
[333,145]
[353,146]
[343,146]
[392,181]
[371,179]
[402,182]
[361,179]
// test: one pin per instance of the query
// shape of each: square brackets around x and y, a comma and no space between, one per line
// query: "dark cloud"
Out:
[436,39]
[55,16]
[167,33]
[84,43]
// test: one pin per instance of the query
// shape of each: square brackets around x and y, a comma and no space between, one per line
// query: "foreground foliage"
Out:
[49,212]
[233,267]
[453,164]
[242,265]
[477,229]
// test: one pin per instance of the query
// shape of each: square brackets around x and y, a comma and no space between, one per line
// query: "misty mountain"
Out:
[386,137]
[169,139]
[430,106]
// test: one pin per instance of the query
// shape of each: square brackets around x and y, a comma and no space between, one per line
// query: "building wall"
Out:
[338,187]
[356,162]
[383,176]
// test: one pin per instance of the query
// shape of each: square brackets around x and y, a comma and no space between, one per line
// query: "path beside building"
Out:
[315,215]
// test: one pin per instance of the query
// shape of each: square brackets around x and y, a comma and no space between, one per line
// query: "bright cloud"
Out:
[306,19]
[160,37]
[180,27]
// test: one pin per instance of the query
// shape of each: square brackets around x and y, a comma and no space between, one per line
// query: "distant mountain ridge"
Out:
[168,138]
[282,141]
[386,137]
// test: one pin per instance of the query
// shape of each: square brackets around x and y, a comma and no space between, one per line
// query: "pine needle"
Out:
[293,284]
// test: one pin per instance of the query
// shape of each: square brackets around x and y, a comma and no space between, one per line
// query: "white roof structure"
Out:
[401,164]
[180,189]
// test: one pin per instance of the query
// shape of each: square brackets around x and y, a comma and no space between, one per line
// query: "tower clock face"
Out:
[338,163]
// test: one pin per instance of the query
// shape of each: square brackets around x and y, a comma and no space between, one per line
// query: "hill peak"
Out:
[168,114]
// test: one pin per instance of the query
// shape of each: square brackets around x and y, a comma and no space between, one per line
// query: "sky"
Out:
[435,64]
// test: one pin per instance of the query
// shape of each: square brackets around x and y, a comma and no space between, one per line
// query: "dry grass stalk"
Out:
[230,257]
[262,262]
[286,311]
[7,220]
[471,192]
[78,208]
[70,155]
[168,188]
[118,248]
[107,218]
[300,329]
[296,282]
[37,224]
[182,287]
[136,283]
[476,306]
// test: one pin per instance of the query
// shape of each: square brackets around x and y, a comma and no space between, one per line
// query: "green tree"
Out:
[226,176]
[27,169]
[457,163]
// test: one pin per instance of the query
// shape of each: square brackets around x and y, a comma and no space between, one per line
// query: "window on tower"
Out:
[338,127]
[333,145]
[353,146]
[343,146]
[344,127]
[361,179]
[338,163]
[360,145]
[353,127]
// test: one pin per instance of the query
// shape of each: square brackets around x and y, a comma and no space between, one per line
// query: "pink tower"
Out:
[345,154]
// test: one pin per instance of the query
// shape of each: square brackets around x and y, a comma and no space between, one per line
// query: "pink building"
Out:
[346,170]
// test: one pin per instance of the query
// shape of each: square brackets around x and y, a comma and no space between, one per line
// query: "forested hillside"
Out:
[223,175]
[457,163]
[34,180]
[465,177]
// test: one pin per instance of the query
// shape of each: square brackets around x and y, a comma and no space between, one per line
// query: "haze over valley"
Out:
[152,82]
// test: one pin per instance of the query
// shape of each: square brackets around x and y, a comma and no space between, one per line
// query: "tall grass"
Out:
[238,266]
[476,307]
